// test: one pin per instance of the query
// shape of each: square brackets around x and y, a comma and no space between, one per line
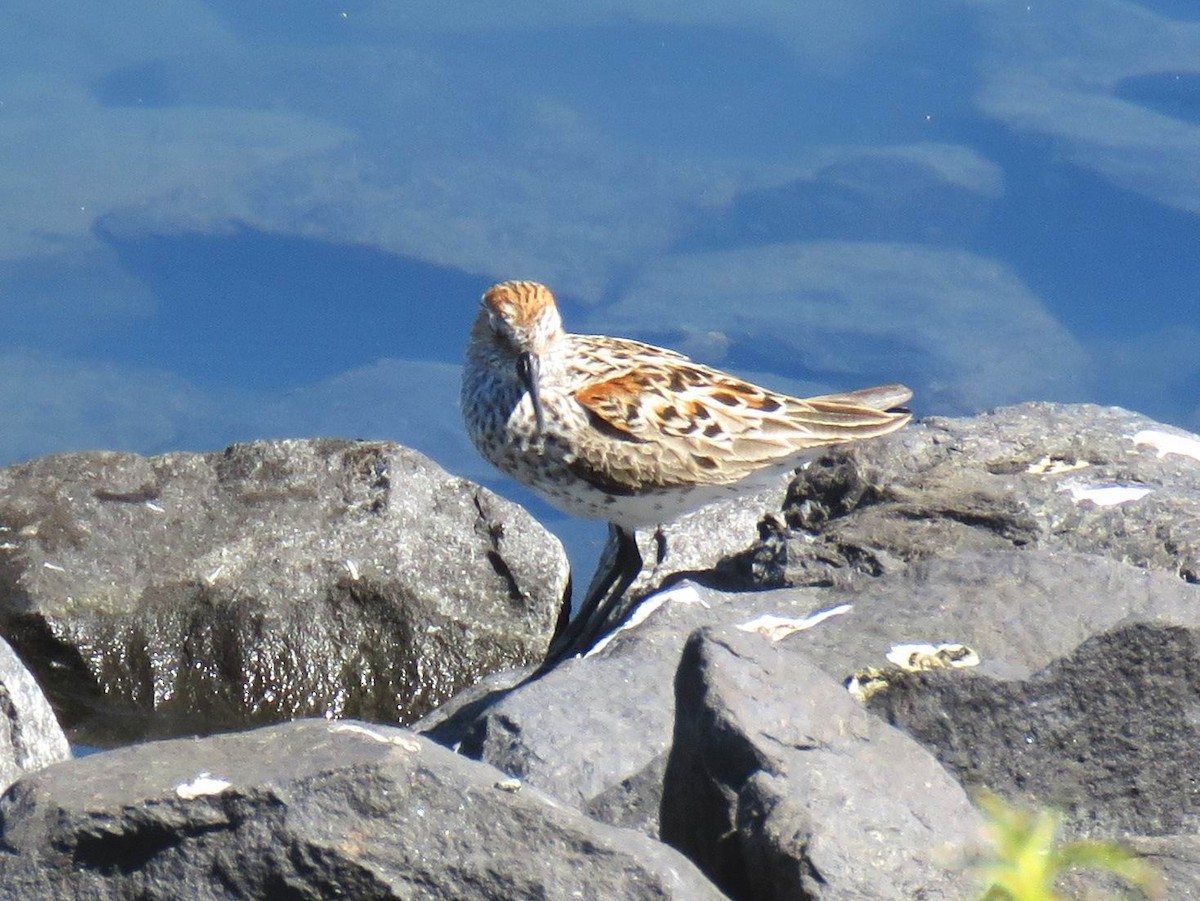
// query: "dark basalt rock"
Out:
[1108,733]
[313,809]
[593,731]
[781,786]
[194,592]
[1015,478]
[1049,551]
[1044,538]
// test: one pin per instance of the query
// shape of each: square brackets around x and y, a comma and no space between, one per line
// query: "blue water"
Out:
[226,221]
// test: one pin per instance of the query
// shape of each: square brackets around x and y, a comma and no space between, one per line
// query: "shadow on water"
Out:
[1184,10]
[249,308]
[1106,260]
[1175,94]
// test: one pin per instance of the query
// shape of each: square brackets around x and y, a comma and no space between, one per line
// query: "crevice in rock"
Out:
[58,667]
[493,531]
[129,851]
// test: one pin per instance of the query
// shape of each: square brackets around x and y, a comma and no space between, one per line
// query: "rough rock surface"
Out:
[30,737]
[592,725]
[1042,557]
[1053,541]
[782,786]
[313,809]
[1108,733]
[1096,480]
[193,592]
[592,729]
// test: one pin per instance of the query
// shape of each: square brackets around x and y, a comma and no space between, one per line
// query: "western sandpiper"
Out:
[614,429]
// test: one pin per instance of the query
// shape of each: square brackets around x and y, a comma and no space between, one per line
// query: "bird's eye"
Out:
[524,368]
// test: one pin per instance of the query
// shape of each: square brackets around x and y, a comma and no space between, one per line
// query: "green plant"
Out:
[1026,857]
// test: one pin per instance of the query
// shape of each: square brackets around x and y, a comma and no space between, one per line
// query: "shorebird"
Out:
[637,435]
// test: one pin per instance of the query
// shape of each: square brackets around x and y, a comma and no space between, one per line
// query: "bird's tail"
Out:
[887,398]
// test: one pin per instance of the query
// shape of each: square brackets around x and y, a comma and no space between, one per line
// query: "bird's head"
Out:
[520,316]
[518,323]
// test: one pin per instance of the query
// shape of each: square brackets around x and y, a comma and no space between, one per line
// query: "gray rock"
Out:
[1047,538]
[1083,699]
[1108,734]
[1037,475]
[193,592]
[30,737]
[987,533]
[1020,611]
[1175,858]
[594,731]
[1083,695]
[781,786]
[313,809]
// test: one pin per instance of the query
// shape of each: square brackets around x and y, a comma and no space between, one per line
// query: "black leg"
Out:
[660,547]
[601,610]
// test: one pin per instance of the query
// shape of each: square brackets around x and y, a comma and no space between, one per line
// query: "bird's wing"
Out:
[719,423]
